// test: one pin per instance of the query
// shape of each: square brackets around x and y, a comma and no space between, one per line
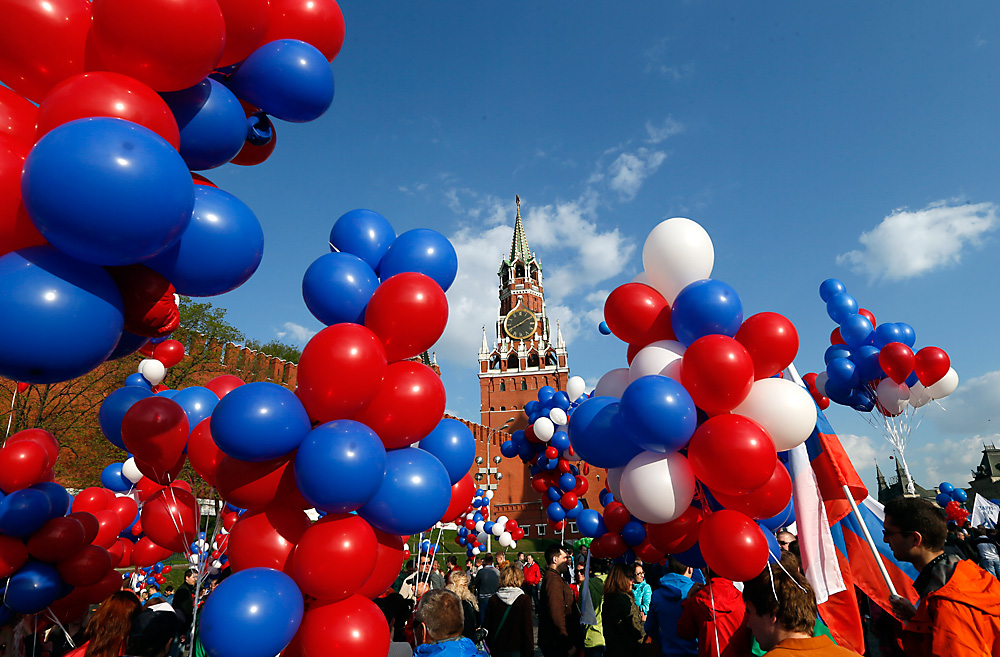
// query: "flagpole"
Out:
[854,507]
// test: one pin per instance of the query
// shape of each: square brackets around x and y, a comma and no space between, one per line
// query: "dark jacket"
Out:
[487,582]
[517,631]
[184,604]
[664,612]
[558,616]
[622,623]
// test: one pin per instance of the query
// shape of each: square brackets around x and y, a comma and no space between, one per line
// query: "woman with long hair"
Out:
[508,617]
[108,629]
[622,622]
[459,585]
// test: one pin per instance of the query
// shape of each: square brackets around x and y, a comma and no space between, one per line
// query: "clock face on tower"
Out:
[520,324]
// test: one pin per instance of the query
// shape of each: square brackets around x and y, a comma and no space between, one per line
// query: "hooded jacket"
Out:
[665,611]
[714,614]
[457,647]
[959,619]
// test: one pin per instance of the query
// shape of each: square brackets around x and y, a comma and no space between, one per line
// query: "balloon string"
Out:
[10,416]
[715,626]
[72,644]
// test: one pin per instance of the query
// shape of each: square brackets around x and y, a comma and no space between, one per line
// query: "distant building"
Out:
[897,486]
[986,477]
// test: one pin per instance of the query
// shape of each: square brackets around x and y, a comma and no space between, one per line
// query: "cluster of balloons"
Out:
[690,432]
[872,367]
[114,104]
[155,574]
[545,445]
[54,558]
[477,527]
[951,498]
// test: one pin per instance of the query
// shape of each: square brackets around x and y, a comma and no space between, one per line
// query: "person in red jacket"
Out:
[713,614]
[958,613]
[532,578]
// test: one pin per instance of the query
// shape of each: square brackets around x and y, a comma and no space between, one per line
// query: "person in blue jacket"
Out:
[438,624]
[665,610]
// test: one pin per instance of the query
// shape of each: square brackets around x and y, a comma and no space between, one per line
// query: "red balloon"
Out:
[42,42]
[57,539]
[150,309]
[408,312]
[109,526]
[170,519]
[517,534]
[551,452]
[110,496]
[388,562]
[324,550]
[163,477]
[678,535]
[90,500]
[616,516]
[146,487]
[125,508]
[835,337]
[40,436]
[229,519]
[632,350]
[540,483]
[582,486]
[117,552]
[147,349]
[822,401]
[354,627]
[638,314]
[146,553]
[91,526]
[610,546]
[255,485]
[767,501]
[85,568]
[648,552]
[99,592]
[102,93]
[931,364]
[224,384]
[772,342]
[16,229]
[202,451]
[896,360]
[169,352]
[407,406]
[17,117]
[22,464]
[246,23]
[733,545]
[732,454]
[253,154]
[568,501]
[155,430]
[867,313]
[340,370]
[718,373]
[168,44]
[317,22]
[13,555]
[265,538]
[461,492]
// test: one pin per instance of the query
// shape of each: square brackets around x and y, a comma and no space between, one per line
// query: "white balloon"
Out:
[657,487]
[544,429]
[660,357]
[558,417]
[513,544]
[217,564]
[482,537]
[615,482]
[893,396]
[642,277]
[944,387]
[152,370]
[193,559]
[821,383]
[505,539]
[130,471]
[497,529]
[575,387]
[613,383]
[489,495]
[918,395]
[677,252]
[502,521]
[785,409]
[479,526]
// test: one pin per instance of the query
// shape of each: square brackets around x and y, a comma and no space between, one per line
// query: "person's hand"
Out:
[902,607]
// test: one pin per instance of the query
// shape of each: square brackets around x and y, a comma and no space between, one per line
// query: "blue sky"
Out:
[849,140]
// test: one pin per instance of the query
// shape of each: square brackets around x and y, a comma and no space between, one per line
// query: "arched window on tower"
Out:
[512,363]
[550,358]
[495,362]
[533,359]
[519,271]
[524,384]
[503,387]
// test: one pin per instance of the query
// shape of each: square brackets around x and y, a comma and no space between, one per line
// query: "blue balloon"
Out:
[567,481]
[337,288]
[259,422]
[59,498]
[112,479]
[603,328]
[425,251]
[783,519]
[124,193]
[415,494]
[836,351]
[555,512]
[959,495]
[115,406]
[33,588]
[829,288]
[212,122]
[560,440]
[703,308]
[347,448]
[476,517]
[910,380]
[545,393]
[128,344]
[289,79]
[530,407]
[856,331]
[865,360]
[508,449]
[633,532]
[840,306]
[598,435]
[553,493]
[252,613]
[942,499]
[773,549]
[560,400]
[659,413]
[197,403]
[605,497]
[169,394]
[946,487]
[886,333]
[363,233]
[907,334]
[526,451]
[839,393]
[137,381]
[488,526]
[862,400]
[49,298]
[572,514]
[24,511]
[842,372]
[452,443]
[590,523]
[219,250]
[692,557]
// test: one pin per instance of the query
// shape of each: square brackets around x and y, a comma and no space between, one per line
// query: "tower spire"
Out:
[519,245]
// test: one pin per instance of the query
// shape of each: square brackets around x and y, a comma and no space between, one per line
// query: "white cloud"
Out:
[295,333]
[947,459]
[968,410]
[657,61]
[630,170]
[664,131]
[910,243]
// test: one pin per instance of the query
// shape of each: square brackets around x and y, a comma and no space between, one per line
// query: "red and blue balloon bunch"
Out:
[477,527]
[101,217]
[690,432]
[951,499]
